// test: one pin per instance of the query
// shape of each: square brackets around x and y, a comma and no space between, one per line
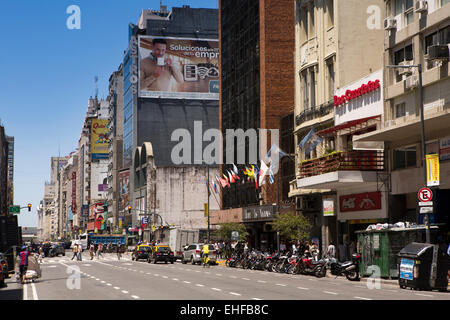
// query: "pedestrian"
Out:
[41,254]
[119,252]
[23,263]
[91,251]
[75,251]
[99,250]
[331,251]
[315,252]
[80,251]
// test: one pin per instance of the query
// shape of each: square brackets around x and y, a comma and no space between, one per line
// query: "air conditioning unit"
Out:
[402,71]
[438,52]
[421,6]
[390,23]
[411,82]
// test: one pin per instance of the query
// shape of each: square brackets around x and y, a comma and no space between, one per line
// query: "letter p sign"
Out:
[74,20]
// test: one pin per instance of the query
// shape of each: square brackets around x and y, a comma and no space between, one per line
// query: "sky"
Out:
[47,76]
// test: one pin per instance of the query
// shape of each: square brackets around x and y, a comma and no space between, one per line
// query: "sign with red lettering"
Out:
[360,202]
[353,94]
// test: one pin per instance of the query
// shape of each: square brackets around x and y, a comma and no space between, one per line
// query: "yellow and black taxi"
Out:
[161,252]
[141,251]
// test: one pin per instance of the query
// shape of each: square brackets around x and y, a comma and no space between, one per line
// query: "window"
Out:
[405,7]
[330,12]
[311,22]
[440,37]
[404,54]
[312,87]
[404,157]
[305,94]
[400,110]
[330,69]
[304,23]
[444,2]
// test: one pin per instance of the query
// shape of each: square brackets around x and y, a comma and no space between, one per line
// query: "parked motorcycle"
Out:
[309,265]
[349,269]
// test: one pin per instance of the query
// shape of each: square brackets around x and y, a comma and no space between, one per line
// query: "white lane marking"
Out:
[245,279]
[262,281]
[156,275]
[281,285]
[124,291]
[148,273]
[135,297]
[175,279]
[312,279]
[256,299]
[423,295]
[197,270]
[302,288]
[362,298]
[97,279]
[92,277]
[329,292]
[103,281]
[35,296]
[235,294]
[200,285]
[86,265]
[117,288]
[51,266]
[234,277]
[186,281]
[109,284]
[25,291]
[216,289]
[165,277]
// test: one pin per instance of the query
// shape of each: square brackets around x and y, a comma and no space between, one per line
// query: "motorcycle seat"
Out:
[346,264]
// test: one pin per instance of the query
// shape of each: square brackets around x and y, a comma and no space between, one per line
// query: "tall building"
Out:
[3,173]
[115,157]
[416,35]
[338,95]
[10,169]
[256,92]
[171,82]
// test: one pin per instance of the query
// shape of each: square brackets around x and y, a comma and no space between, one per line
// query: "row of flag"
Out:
[253,172]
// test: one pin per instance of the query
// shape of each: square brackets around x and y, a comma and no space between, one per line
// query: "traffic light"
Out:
[129,209]
[29,207]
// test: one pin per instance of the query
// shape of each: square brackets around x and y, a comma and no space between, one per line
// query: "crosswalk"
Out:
[85,258]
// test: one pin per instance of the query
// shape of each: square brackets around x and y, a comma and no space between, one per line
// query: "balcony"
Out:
[337,169]
[314,113]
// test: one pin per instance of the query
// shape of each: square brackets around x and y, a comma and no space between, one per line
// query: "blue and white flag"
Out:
[315,140]
[306,138]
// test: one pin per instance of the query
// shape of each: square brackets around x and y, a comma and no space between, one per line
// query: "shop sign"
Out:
[328,207]
[360,202]
[353,94]
[258,213]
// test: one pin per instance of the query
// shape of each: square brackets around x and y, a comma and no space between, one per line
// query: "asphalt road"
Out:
[107,278]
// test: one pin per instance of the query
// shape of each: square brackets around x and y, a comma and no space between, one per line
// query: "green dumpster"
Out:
[379,249]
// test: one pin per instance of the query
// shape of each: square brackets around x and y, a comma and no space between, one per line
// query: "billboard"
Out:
[180,68]
[124,190]
[360,202]
[100,138]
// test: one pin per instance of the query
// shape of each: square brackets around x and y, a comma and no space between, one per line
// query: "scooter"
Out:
[349,269]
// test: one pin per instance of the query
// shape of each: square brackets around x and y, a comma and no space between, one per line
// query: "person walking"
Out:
[41,254]
[80,251]
[75,251]
[119,252]
[331,252]
[23,264]
[99,250]
[91,251]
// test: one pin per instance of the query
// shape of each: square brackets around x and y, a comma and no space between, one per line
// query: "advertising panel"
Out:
[432,161]
[406,269]
[328,207]
[360,202]
[180,68]
[100,139]
[124,190]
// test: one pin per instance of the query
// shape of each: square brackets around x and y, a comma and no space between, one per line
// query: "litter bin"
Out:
[415,267]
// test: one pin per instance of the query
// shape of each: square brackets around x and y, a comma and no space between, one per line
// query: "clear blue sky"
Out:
[47,76]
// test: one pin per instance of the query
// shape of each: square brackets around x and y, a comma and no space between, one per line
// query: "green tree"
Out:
[292,227]
[226,228]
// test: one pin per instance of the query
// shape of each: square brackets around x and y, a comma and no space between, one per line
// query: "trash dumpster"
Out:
[416,267]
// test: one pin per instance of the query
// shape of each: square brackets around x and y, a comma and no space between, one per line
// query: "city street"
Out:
[107,278]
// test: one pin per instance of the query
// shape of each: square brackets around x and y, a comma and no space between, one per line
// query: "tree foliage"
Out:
[292,227]
[226,228]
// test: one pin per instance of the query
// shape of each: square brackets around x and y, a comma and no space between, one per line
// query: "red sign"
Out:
[425,195]
[74,192]
[360,202]
[353,94]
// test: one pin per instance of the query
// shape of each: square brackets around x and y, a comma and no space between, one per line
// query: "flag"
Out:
[230,176]
[235,169]
[306,138]
[314,141]
[223,182]
[235,172]
[215,188]
[274,153]
[262,173]
[226,179]
[271,176]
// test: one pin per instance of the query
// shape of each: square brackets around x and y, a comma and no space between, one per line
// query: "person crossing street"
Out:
[75,251]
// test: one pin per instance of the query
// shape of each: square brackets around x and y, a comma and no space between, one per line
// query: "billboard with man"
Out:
[178,68]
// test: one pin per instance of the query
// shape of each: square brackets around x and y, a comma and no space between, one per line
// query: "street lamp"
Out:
[422,124]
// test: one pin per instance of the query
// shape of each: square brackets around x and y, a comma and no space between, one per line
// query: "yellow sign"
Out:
[120,223]
[153,227]
[99,138]
[206,210]
[432,169]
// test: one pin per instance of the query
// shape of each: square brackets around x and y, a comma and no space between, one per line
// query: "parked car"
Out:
[161,253]
[4,264]
[2,276]
[56,249]
[193,254]
[68,244]
[141,252]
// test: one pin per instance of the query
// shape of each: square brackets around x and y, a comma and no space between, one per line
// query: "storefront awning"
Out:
[353,125]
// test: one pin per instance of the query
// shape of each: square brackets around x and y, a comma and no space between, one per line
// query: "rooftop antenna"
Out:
[96,86]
